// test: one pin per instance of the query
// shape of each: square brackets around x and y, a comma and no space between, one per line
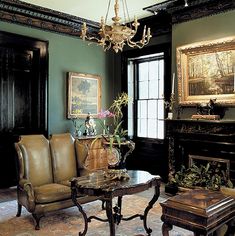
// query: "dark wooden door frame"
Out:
[24,97]
[149,154]
[41,47]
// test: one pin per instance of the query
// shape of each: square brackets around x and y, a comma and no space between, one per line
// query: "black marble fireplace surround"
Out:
[206,138]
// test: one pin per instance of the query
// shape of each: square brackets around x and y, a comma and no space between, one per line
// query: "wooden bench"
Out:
[200,211]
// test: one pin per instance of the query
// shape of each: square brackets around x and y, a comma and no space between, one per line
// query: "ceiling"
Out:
[94,9]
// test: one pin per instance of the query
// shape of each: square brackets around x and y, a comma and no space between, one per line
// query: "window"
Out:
[146,87]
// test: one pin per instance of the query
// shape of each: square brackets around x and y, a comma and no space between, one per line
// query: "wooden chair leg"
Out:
[231,228]
[103,205]
[199,234]
[19,210]
[37,219]
[166,228]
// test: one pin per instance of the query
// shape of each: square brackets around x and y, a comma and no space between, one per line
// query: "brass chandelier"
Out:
[118,34]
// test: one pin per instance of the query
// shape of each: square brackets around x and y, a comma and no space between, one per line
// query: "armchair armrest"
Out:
[26,194]
[26,185]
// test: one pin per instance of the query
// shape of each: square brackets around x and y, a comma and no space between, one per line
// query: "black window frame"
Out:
[126,55]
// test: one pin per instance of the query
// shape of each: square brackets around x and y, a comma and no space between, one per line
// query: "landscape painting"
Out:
[211,73]
[84,94]
[206,71]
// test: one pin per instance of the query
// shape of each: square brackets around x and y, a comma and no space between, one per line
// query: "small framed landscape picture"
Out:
[83,95]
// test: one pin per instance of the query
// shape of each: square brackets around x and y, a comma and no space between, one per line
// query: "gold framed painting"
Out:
[83,95]
[206,70]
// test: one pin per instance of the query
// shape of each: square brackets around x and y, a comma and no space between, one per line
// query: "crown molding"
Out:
[17,12]
[196,9]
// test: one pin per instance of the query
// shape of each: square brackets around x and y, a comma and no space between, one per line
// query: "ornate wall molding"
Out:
[17,12]
[196,9]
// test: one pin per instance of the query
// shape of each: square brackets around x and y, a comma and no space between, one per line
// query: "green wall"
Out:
[203,29]
[69,54]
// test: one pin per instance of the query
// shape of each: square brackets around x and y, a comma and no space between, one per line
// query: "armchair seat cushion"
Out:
[66,183]
[51,192]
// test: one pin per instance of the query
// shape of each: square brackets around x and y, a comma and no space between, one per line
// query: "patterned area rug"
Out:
[69,222]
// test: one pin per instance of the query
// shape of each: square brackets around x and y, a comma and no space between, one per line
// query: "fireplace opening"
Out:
[206,172]
[222,165]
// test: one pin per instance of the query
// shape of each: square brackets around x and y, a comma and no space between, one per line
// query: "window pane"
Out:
[131,95]
[153,70]
[152,128]
[142,128]
[130,110]
[160,130]
[142,109]
[143,90]
[130,88]
[143,71]
[130,127]
[161,78]
[152,109]
[160,109]
[130,72]
[130,119]
[153,89]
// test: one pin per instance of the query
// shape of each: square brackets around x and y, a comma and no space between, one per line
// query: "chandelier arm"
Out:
[139,44]
[101,42]
[133,44]
[107,46]
[92,39]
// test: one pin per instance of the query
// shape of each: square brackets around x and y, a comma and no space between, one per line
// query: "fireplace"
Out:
[203,140]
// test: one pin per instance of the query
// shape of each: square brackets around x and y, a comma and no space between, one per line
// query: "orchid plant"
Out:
[115,111]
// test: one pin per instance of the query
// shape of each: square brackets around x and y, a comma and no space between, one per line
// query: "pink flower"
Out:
[104,114]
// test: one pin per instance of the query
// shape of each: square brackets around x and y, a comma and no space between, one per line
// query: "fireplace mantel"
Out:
[211,138]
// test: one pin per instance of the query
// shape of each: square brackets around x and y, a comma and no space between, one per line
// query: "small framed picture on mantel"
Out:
[83,95]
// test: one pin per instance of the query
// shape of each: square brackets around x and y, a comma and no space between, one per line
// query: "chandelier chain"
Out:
[124,12]
[106,17]
[128,15]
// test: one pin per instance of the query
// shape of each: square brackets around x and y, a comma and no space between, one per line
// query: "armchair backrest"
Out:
[34,159]
[63,157]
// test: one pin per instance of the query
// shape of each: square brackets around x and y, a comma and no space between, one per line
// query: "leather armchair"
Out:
[45,170]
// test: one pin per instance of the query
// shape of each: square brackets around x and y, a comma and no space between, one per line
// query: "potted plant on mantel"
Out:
[114,136]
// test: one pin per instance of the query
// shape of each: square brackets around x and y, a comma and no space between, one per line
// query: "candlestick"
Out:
[173,84]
